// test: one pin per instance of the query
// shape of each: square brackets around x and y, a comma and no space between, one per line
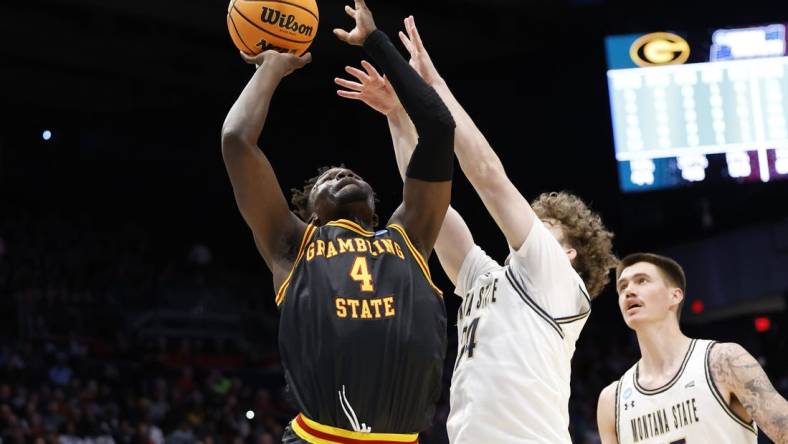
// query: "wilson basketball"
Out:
[285,26]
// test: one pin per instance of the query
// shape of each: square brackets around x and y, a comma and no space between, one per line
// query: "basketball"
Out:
[285,26]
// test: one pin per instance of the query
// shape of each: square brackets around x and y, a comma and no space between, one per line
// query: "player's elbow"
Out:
[444,122]
[233,140]
[484,170]
[435,121]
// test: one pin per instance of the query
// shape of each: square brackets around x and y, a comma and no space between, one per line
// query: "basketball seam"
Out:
[267,31]
[286,3]
[235,27]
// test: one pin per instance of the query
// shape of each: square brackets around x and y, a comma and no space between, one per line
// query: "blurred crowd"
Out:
[66,393]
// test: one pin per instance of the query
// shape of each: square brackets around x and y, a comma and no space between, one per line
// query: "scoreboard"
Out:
[685,112]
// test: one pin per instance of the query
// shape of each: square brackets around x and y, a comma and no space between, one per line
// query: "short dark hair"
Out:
[670,270]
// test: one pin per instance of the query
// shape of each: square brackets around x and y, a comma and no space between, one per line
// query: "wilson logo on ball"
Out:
[659,48]
[284,21]
[282,25]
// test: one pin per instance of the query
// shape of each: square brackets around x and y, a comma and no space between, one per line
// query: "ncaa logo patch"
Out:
[627,393]
[659,48]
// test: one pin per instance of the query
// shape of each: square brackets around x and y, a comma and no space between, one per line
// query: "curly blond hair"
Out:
[584,231]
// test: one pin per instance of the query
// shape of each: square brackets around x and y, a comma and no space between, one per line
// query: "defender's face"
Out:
[644,295]
[336,189]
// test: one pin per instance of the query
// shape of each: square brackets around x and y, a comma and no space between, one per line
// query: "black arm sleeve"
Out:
[433,158]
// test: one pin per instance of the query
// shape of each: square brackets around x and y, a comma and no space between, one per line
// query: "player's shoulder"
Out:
[606,404]
[478,262]
[608,394]
[722,349]
[722,354]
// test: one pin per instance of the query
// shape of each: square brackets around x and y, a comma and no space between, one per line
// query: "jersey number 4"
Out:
[360,273]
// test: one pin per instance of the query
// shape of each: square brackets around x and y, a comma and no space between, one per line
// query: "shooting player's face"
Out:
[341,193]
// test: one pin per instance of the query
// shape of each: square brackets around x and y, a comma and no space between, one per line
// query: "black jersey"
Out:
[363,330]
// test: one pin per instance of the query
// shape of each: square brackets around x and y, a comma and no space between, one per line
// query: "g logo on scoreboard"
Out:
[659,48]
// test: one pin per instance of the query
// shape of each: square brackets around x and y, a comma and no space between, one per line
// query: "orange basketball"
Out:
[283,25]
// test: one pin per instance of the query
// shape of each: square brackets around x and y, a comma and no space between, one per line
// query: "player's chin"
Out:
[351,193]
[633,320]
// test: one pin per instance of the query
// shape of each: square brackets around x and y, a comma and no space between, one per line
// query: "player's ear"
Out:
[677,294]
[571,253]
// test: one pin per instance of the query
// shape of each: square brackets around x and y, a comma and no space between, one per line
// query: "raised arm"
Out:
[455,239]
[737,374]
[478,161]
[257,192]
[427,188]
[606,415]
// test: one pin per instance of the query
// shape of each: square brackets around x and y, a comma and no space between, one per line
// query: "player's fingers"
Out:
[360,4]
[406,42]
[342,34]
[415,37]
[408,27]
[355,86]
[350,11]
[349,94]
[373,73]
[306,58]
[357,73]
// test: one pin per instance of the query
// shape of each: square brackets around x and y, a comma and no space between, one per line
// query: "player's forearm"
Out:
[245,120]
[430,116]
[403,137]
[422,103]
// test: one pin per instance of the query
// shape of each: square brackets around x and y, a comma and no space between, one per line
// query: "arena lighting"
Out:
[697,306]
[762,324]
[46,135]
[249,414]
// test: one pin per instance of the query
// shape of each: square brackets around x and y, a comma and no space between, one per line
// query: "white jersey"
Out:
[517,328]
[689,409]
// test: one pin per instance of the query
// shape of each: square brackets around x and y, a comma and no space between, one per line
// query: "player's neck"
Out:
[662,347]
[356,212]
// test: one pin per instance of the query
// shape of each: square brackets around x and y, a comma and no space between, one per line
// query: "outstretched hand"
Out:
[373,89]
[365,24]
[280,63]
[419,58]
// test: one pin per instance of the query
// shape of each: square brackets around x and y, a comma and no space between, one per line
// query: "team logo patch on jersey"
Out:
[690,384]
[381,232]
[627,393]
